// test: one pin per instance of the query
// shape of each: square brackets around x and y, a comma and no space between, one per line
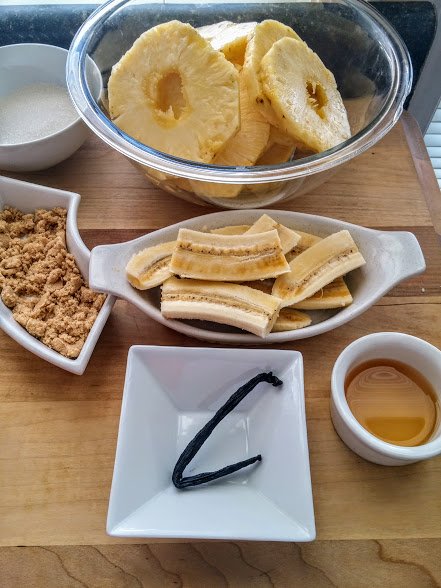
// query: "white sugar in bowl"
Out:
[39,126]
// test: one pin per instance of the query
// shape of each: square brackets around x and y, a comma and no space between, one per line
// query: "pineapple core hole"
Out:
[170,95]
[317,98]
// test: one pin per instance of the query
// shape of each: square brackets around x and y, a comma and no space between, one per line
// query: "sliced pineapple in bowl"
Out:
[243,149]
[207,94]
[304,96]
[334,30]
[172,91]
[229,37]
[265,34]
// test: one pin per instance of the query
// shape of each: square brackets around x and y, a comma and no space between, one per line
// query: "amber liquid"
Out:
[393,401]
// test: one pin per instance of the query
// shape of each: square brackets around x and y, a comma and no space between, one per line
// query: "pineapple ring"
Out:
[230,38]
[265,35]
[304,96]
[280,138]
[241,150]
[174,92]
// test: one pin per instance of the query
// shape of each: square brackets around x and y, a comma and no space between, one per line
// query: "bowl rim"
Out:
[340,404]
[37,142]
[92,115]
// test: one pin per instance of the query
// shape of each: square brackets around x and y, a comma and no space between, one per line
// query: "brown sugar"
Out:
[41,283]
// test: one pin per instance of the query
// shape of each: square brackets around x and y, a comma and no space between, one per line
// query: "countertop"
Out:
[375,525]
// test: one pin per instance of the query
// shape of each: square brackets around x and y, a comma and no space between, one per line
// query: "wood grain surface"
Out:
[323,564]
[377,188]
[59,431]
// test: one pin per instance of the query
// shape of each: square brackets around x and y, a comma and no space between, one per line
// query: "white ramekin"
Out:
[30,63]
[401,347]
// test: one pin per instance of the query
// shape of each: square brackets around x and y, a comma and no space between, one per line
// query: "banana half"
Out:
[316,267]
[291,320]
[306,239]
[333,295]
[288,238]
[231,230]
[228,258]
[151,266]
[228,304]
[305,242]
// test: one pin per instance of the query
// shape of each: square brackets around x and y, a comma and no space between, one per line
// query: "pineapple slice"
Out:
[279,149]
[230,38]
[304,96]
[275,153]
[175,93]
[280,138]
[265,35]
[241,150]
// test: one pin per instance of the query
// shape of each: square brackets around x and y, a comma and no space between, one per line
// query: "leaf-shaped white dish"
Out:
[27,197]
[391,256]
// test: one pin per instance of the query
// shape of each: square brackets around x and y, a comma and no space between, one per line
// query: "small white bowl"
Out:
[169,394]
[391,256]
[32,63]
[27,197]
[396,346]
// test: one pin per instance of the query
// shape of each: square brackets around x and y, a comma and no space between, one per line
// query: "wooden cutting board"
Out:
[59,431]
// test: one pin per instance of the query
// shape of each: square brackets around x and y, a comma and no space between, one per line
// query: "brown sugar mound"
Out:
[40,281]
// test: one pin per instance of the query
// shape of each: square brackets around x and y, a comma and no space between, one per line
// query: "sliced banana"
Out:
[306,241]
[288,238]
[231,230]
[303,95]
[288,319]
[224,258]
[265,34]
[291,320]
[243,149]
[175,93]
[229,37]
[229,304]
[333,295]
[316,267]
[150,267]
[262,285]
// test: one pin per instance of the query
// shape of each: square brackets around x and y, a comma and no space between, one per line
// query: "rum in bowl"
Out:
[393,401]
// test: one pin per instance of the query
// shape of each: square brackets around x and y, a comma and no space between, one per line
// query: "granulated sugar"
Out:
[33,112]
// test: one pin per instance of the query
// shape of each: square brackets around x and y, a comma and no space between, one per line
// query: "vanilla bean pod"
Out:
[198,440]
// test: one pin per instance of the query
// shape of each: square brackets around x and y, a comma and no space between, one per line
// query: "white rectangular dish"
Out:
[391,256]
[169,394]
[27,197]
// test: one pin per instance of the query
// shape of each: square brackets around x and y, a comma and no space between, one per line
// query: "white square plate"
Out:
[169,394]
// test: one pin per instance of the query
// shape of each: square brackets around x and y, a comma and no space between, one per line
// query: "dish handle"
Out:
[104,270]
[412,260]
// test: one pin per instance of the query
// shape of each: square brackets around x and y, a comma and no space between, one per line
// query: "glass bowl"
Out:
[367,57]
